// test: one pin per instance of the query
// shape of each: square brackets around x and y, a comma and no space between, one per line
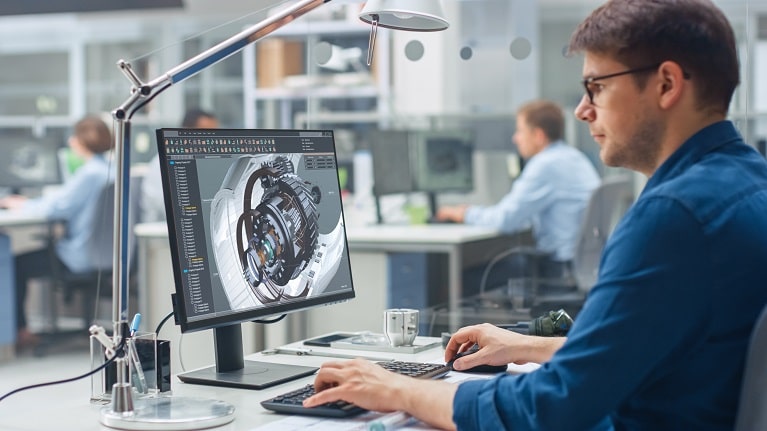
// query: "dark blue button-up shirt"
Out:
[661,341]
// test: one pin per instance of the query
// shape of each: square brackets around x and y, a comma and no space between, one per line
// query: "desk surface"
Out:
[66,407]
[19,218]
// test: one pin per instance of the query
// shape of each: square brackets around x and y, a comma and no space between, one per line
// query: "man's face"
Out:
[623,120]
[525,137]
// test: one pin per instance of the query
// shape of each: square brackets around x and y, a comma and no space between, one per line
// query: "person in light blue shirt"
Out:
[75,205]
[552,191]
[661,341]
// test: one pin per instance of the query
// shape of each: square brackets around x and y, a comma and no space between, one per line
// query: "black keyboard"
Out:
[292,402]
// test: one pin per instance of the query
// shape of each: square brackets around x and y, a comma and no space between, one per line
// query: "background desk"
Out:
[15,228]
[369,249]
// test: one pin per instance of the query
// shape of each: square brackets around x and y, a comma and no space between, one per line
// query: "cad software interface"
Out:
[256,221]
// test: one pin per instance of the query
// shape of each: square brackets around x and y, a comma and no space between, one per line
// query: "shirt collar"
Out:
[702,142]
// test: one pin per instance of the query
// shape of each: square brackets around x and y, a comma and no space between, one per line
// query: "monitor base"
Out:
[253,375]
[170,413]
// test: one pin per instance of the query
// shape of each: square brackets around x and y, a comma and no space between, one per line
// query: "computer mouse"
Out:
[482,368]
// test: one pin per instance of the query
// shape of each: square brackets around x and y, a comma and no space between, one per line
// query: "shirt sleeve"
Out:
[633,321]
[530,193]
[72,197]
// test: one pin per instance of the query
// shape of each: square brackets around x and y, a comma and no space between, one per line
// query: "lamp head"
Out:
[411,15]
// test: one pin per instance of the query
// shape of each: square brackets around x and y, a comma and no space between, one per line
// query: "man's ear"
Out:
[540,137]
[672,84]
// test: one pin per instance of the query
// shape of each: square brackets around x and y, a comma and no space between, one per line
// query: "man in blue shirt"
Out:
[74,203]
[549,195]
[661,341]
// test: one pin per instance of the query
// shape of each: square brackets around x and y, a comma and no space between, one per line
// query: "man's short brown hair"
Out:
[693,33]
[544,115]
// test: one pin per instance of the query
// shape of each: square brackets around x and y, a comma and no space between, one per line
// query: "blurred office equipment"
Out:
[28,163]
[432,162]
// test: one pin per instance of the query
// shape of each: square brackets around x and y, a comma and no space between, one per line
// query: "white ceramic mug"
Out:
[400,326]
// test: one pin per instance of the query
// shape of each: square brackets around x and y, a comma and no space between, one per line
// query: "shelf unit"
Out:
[278,103]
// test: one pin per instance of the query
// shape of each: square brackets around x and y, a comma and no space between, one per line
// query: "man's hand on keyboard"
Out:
[370,386]
[361,382]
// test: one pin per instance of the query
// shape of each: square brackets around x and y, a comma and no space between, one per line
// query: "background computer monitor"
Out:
[442,162]
[256,229]
[432,161]
[27,162]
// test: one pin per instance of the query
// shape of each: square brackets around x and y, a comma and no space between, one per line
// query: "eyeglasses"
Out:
[592,86]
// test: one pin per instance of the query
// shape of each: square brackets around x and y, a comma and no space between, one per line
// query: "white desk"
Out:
[9,218]
[67,407]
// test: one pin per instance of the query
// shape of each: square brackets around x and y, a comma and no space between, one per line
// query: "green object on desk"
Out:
[417,214]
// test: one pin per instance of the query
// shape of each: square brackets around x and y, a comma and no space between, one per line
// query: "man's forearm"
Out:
[543,348]
[431,402]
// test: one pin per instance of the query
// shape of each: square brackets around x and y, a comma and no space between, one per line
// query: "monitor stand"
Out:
[432,204]
[232,370]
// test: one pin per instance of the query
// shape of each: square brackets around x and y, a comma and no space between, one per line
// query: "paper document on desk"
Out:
[311,423]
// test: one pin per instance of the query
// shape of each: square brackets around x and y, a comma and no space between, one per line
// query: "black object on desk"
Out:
[434,220]
[482,368]
[325,341]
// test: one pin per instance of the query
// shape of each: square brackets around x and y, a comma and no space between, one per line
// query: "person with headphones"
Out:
[75,204]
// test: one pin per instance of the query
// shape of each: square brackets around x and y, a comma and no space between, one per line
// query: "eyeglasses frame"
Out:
[586,82]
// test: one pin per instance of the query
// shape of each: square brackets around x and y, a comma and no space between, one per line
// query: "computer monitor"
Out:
[443,162]
[256,229]
[433,162]
[27,162]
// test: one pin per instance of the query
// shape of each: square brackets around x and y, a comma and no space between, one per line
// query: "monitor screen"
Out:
[443,162]
[256,229]
[29,162]
[421,161]
[392,172]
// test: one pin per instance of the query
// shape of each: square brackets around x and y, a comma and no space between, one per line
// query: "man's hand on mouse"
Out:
[498,347]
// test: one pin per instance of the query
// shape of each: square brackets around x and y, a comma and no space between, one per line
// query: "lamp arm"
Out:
[141,94]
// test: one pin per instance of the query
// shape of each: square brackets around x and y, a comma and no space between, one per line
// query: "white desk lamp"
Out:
[180,413]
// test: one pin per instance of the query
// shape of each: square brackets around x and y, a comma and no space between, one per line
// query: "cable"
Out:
[118,351]
[180,356]
[490,265]
[275,320]
[162,322]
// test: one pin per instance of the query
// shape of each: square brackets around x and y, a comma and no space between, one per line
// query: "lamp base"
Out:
[170,413]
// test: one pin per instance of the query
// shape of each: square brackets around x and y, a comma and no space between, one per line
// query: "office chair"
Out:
[752,408]
[540,293]
[606,207]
